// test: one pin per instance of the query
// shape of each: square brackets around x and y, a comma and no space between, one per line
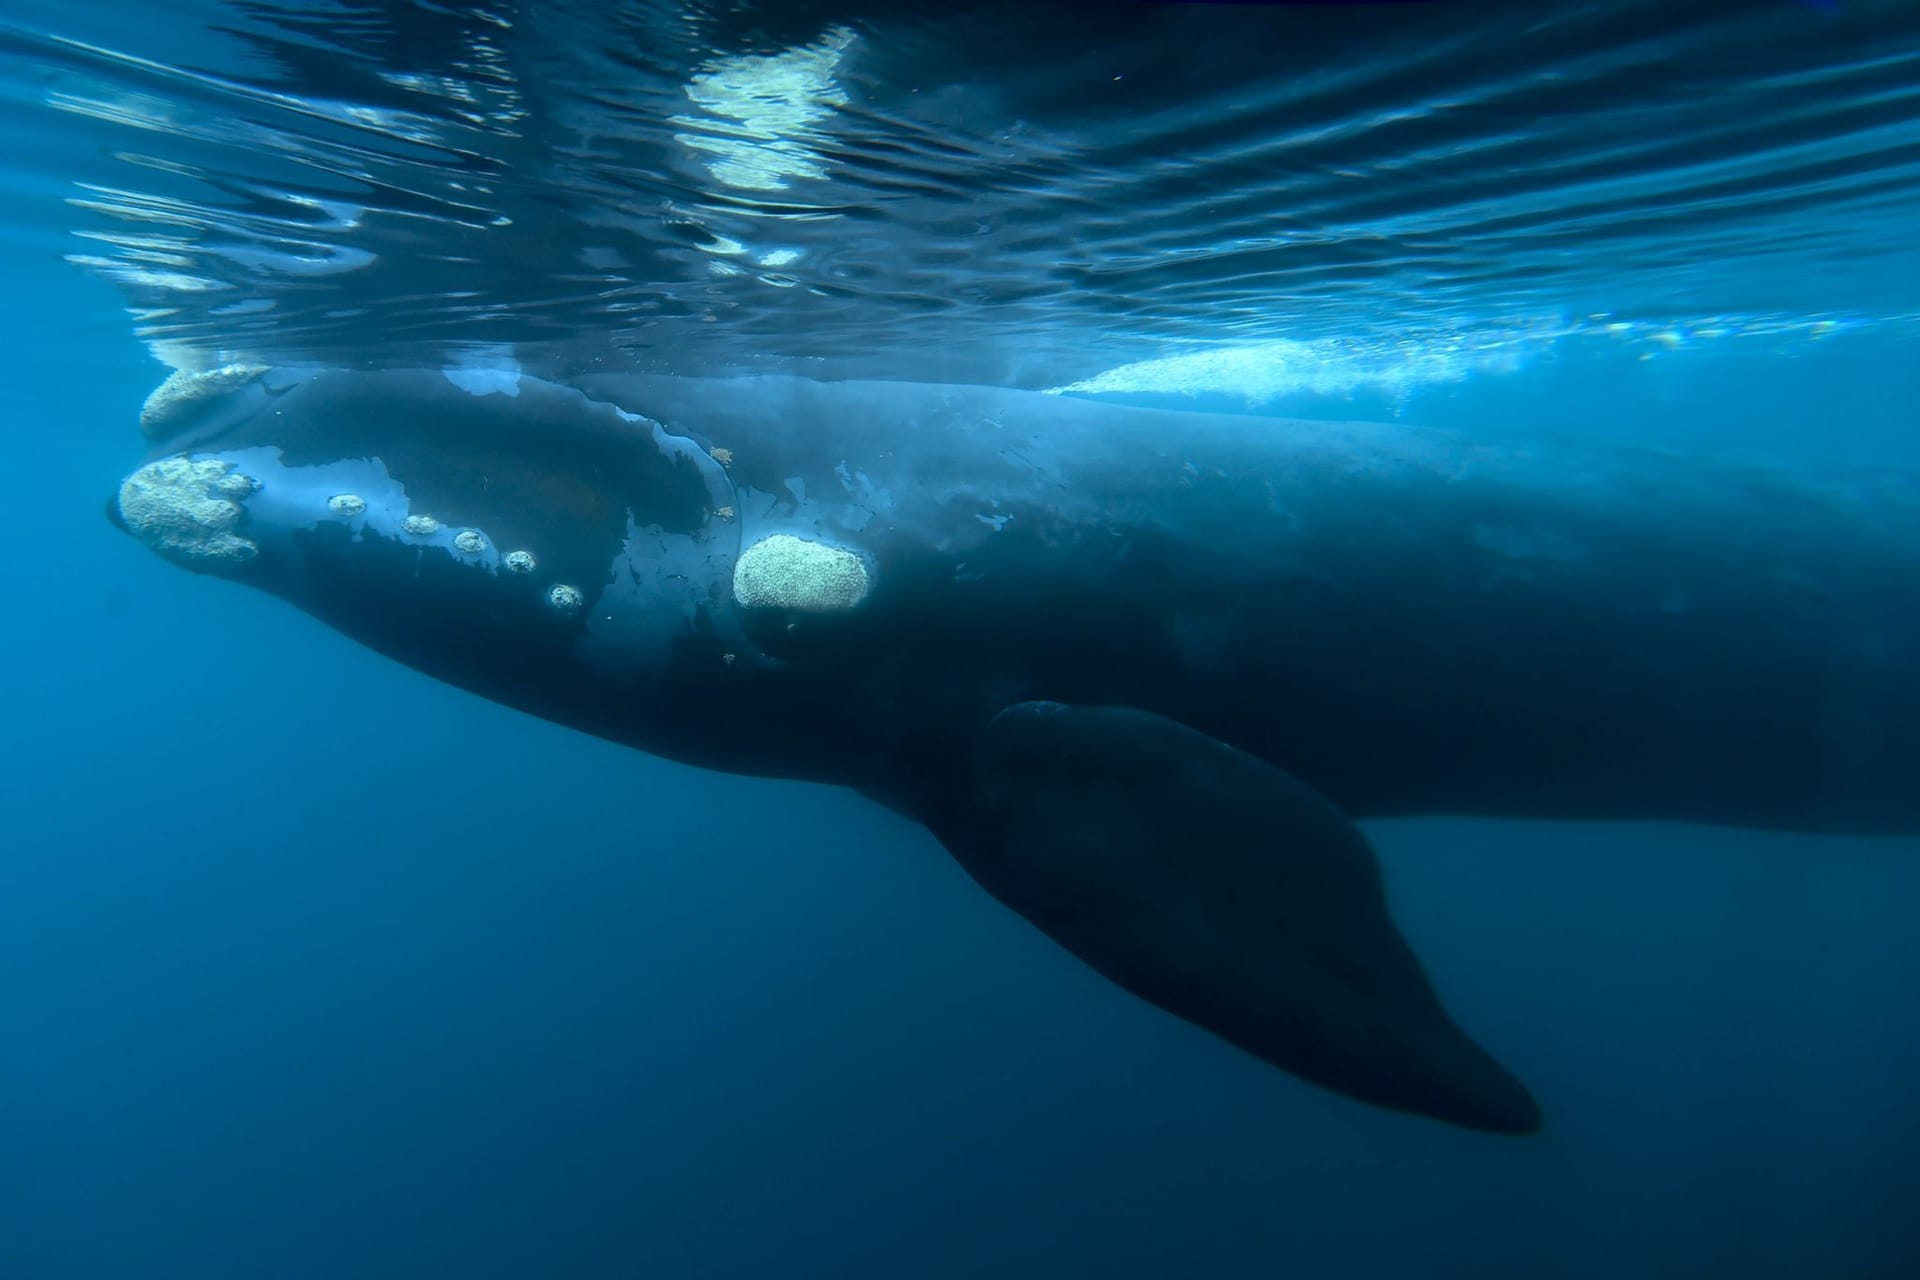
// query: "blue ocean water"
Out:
[312,967]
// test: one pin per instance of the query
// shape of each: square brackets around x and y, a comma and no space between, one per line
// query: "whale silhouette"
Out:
[1138,670]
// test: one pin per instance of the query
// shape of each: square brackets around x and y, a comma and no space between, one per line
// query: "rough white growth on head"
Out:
[347,504]
[183,391]
[565,598]
[784,572]
[422,525]
[520,562]
[469,541]
[235,485]
[185,509]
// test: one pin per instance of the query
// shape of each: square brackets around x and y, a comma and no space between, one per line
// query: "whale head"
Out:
[509,535]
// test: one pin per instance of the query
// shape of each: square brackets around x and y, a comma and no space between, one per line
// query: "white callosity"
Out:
[187,509]
[421,525]
[565,598]
[520,562]
[469,542]
[347,504]
[183,391]
[784,572]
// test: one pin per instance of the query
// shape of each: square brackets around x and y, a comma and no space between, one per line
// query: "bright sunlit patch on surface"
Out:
[950,195]
[1268,371]
[758,114]
[186,357]
[1344,368]
[1654,338]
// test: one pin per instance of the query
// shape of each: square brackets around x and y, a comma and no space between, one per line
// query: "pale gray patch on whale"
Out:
[478,381]
[875,498]
[756,504]
[766,513]
[660,583]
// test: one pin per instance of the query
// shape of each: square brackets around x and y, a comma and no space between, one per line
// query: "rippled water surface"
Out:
[1322,195]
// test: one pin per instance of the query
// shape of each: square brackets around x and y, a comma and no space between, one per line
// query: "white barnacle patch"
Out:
[469,542]
[520,562]
[183,391]
[422,525]
[235,485]
[784,572]
[187,509]
[567,599]
[347,504]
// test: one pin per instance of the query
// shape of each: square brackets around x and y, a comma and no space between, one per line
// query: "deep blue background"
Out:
[311,967]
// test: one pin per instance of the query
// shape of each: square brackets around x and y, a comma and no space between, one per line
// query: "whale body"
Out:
[1138,670]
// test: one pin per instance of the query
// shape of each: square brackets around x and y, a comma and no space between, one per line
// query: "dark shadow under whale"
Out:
[1134,668]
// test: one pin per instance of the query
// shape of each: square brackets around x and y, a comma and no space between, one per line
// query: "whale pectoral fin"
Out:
[1224,890]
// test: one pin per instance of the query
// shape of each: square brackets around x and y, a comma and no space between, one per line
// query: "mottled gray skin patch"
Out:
[661,584]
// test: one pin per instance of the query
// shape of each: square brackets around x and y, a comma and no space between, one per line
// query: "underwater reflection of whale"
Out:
[1133,668]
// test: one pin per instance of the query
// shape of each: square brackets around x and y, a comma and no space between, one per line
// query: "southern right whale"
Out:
[1138,670]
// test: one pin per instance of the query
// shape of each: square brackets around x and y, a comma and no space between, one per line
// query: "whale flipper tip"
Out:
[1225,891]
